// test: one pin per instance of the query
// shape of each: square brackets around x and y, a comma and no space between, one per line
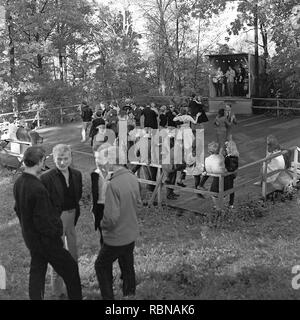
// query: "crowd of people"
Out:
[177,124]
[48,203]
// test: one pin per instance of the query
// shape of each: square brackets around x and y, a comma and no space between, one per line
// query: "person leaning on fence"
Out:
[64,185]
[194,168]
[214,164]
[170,169]
[86,116]
[281,180]
[42,229]
[231,165]
[119,227]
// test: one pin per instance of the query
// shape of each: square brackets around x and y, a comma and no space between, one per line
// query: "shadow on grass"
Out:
[248,283]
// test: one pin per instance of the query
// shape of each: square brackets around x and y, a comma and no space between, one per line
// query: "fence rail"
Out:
[277,107]
[38,114]
[159,184]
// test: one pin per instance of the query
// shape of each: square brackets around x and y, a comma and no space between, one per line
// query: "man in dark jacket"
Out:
[64,185]
[171,114]
[42,229]
[137,112]
[150,115]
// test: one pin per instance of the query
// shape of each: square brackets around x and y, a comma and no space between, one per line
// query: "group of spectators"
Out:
[181,124]
[47,203]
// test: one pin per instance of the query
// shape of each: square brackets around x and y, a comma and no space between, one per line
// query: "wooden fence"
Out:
[38,117]
[159,184]
[279,104]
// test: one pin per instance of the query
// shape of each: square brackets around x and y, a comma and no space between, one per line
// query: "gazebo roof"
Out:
[227,55]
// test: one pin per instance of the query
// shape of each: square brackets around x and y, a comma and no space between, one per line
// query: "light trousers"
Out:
[70,243]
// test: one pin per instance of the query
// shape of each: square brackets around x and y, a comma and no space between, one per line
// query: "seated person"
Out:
[278,181]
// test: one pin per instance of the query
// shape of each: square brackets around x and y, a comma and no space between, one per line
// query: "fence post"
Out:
[264,180]
[295,166]
[159,186]
[61,115]
[277,108]
[221,191]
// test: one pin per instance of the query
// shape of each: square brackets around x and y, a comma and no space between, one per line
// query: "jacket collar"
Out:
[57,171]
[119,172]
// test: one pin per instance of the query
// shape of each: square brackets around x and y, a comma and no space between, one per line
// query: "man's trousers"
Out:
[104,269]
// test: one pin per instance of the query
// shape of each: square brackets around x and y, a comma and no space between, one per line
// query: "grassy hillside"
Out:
[243,254]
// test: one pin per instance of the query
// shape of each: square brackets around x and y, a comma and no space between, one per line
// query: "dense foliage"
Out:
[58,52]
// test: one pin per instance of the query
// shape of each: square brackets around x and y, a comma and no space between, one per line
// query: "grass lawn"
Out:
[244,254]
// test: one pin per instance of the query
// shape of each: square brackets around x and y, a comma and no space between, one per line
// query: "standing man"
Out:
[64,185]
[42,229]
[137,112]
[119,227]
[230,75]
[150,115]
[87,117]
[171,114]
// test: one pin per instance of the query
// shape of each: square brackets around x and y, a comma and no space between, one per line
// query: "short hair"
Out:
[213,147]
[194,95]
[272,143]
[33,155]
[61,148]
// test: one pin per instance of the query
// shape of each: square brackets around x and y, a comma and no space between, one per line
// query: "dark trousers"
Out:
[151,174]
[63,264]
[104,269]
[197,180]
[203,180]
[228,184]
[171,179]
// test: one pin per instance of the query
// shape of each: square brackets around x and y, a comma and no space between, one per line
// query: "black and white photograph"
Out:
[149,151]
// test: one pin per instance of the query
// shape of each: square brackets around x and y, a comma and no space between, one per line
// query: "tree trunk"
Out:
[198,54]
[40,63]
[256,61]
[12,64]
[264,36]
[61,66]
[161,59]
[66,68]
